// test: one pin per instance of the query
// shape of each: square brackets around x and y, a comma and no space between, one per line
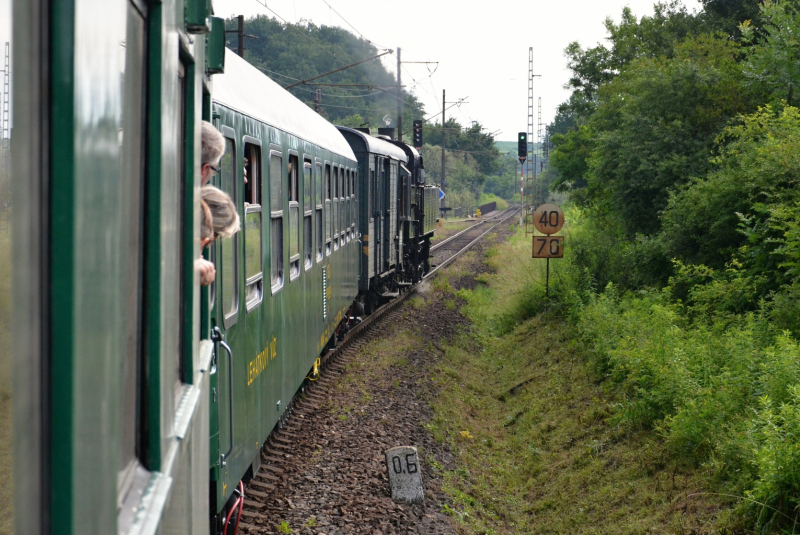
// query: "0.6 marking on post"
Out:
[405,474]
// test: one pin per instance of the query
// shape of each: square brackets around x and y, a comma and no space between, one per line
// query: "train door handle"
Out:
[217,337]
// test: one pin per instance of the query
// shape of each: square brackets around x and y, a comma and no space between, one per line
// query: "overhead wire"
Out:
[354,28]
[318,45]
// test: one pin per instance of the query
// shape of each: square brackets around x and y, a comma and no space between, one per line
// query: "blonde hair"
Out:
[225,220]
[212,144]
[206,222]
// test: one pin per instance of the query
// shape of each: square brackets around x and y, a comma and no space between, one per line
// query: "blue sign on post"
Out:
[441,194]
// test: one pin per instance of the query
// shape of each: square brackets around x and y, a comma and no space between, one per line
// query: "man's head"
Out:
[213,147]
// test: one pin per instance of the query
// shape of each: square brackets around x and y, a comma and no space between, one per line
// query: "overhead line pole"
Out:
[444,203]
[337,70]
[399,100]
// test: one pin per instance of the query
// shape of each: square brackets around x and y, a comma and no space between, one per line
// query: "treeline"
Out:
[472,163]
[680,151]
[288,53]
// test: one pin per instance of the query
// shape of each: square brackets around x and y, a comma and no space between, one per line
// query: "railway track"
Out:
[287,448]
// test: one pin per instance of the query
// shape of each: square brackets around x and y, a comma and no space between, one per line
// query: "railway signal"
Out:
[418,135]
[522,147]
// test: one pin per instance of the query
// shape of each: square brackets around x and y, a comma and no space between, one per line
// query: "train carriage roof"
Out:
[376,145]
[245,89]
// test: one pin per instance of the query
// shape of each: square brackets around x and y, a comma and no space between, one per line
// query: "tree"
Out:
[656,124]
[774,65]
[287,53]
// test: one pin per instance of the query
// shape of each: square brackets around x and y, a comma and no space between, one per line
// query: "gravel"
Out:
[324,472]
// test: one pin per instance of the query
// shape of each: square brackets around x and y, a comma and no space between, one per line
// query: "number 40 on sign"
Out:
[548,219]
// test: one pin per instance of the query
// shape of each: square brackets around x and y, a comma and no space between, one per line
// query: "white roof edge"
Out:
[246,90]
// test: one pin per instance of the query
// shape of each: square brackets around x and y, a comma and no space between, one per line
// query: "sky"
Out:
[482,49]
[482,52]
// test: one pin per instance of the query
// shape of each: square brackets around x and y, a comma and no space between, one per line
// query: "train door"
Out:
[378,190]
[386,227]
[392,212]
[226,312]
[369,209]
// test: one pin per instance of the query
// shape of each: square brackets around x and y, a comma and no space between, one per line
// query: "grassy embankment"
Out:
[537,426]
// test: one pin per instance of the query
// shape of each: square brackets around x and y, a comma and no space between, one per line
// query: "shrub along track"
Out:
[324,471]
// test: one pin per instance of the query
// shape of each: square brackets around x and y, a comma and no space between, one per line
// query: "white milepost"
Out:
[405,474]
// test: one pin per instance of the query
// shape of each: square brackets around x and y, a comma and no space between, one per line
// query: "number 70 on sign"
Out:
[548,247]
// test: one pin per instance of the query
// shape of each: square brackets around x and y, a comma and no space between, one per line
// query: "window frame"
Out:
[335,205]
[294,260]
[250,140]
[230,319]
[316,206]
[327,208]
[258,186]
[308,213]
[275,287]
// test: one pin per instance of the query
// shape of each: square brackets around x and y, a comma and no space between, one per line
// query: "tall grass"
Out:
[722,389]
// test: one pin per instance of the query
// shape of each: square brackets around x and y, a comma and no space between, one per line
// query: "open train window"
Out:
[253,254]
[294,216]
[276,218]
[328,210]
[317,203]
[252,170]
[308,243]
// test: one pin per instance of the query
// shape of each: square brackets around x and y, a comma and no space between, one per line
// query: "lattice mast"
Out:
[542,193]
[5,125]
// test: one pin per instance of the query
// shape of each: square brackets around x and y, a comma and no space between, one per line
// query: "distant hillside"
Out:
[506,146]
[291,52]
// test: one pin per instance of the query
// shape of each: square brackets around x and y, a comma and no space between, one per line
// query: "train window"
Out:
[294,217]
[308,244]
[355,202]
[307,185]
[335,208]
[229,262]
[327,182]
[345,205]
[276,219]
[317,202]
[252,171]
[253,254]
[327,210]
[253,257]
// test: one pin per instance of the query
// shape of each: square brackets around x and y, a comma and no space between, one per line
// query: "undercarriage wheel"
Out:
[373,303]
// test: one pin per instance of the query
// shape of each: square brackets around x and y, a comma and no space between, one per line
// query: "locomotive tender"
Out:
[143,400]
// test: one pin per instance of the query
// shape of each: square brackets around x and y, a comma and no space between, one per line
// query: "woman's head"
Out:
[206,225]
[225,220]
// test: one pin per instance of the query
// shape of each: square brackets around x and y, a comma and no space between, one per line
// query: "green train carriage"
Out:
[286,282]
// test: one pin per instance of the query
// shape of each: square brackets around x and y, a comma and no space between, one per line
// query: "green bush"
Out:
[486,198]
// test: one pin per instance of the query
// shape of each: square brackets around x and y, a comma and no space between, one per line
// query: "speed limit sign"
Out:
[548,218]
